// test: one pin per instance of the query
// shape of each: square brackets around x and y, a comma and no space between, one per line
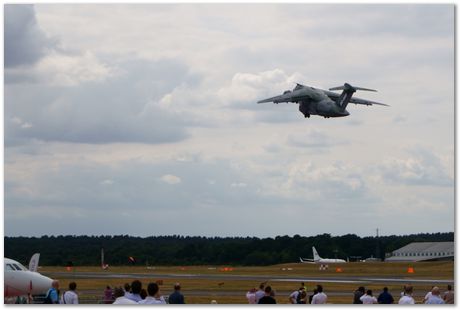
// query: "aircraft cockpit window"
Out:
[17,267]
[9,267]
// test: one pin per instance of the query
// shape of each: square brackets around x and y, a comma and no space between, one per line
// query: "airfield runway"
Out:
[255,278]
[201,284]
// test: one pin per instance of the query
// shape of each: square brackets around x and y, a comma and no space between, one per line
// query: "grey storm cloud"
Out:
[122,108]
[25,42]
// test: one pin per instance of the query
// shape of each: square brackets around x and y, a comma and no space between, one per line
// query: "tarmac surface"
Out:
[258,278]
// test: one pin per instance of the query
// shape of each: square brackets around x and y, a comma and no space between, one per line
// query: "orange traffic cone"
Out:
[338,269]
[410,270]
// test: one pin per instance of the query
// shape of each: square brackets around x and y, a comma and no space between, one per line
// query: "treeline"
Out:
[180,250]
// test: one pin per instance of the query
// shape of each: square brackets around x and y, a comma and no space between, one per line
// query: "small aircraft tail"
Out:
[347,93]
[316,256]
[33,264]
[104,266]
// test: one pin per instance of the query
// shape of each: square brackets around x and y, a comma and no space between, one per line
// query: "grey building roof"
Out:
[420,251]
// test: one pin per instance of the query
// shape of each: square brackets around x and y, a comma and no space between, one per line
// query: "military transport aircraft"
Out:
[314,101]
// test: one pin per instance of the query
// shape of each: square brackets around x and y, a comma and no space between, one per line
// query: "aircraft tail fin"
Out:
[316,256]
[104,266]
[347,93]
[347,86]
[33,264]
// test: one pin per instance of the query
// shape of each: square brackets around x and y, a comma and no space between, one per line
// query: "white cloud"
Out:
[61,69]
[171,179]
[22,124]
[144,107]
[107,182]
[238,184]
[248,87]
[422,168]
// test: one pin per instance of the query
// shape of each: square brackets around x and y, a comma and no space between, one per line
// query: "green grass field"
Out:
[232,291]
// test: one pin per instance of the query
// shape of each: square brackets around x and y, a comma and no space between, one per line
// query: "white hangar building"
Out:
[423,251]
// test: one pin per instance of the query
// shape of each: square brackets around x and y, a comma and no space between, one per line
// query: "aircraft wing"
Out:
[272,99]
[286,97]
[354,100]
[366,102]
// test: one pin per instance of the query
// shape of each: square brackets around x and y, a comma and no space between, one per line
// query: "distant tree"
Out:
[186,250]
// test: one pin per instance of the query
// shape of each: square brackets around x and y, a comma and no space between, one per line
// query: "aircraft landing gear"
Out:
[307,115]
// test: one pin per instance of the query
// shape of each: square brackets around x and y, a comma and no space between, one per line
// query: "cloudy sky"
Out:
[141,120]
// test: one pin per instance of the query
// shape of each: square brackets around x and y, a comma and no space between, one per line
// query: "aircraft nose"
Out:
[40,284]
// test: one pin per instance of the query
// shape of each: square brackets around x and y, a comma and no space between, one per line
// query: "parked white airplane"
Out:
[19,281]
[319,260]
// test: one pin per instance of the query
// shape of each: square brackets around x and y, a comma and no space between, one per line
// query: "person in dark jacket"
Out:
[176,297]
[310,298]
[385,297]
[357,295]
[268,298]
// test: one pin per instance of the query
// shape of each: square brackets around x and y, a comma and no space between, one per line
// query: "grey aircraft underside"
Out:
[314,101]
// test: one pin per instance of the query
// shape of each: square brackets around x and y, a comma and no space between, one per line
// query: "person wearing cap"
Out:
[176,297]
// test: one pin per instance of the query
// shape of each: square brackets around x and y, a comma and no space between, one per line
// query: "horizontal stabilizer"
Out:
[347,86]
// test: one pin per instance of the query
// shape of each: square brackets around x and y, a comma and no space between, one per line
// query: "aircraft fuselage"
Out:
[18,281]
[314,101]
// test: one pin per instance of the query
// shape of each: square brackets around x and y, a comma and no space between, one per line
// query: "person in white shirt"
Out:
[319,298]
[120,298]
[251,296]
[70,296]
[368,299]
[135,294]
[407,299]
[435,297]
[260,293]
[154,296]
[427,296]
